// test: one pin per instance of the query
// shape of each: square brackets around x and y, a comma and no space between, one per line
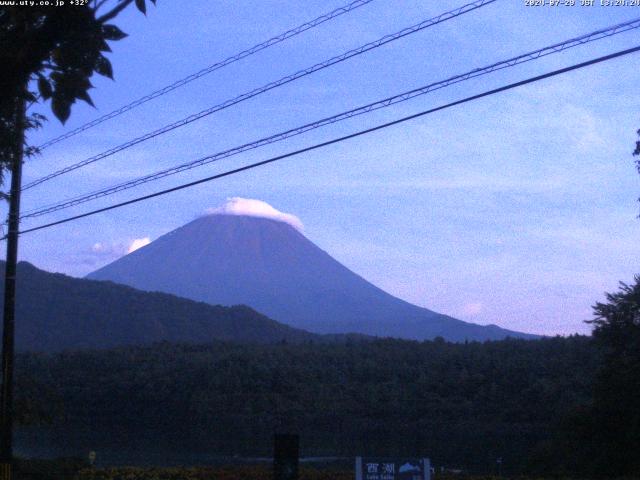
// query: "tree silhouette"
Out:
[58,47]
[636,153]
[55,50]
[616,402]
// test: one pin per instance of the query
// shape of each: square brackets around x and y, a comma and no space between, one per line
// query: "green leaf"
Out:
[83,95]
[111,32]
[103,67]
[45,88]
[141,6]
[61,108]
[104,46]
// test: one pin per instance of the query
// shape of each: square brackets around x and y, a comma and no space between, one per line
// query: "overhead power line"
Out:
[211,68]
[341,139]
[270,86]
[555,48]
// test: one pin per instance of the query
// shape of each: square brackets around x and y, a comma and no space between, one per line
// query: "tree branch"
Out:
[114,11]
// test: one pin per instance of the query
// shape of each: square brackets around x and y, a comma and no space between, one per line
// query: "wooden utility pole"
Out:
[8,333]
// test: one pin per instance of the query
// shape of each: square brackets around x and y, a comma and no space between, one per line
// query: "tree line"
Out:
[464,405]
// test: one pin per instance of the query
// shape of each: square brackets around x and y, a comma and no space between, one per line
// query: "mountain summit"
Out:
[232,257]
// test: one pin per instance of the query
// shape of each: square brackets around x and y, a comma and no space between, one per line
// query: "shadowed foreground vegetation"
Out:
[70,469]
[463,405]
[259,472]
[555,406]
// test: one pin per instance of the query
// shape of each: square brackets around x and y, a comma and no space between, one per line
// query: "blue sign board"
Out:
[400,468]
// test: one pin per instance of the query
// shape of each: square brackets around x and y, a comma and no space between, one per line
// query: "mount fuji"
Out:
[258,257]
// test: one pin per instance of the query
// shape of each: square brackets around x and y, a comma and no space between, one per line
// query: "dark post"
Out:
[6,395]
[286,451]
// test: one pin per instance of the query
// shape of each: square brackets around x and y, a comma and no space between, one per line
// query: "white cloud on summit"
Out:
[254,208]
[138,243]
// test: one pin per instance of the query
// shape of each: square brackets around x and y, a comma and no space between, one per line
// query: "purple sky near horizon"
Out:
[519,209]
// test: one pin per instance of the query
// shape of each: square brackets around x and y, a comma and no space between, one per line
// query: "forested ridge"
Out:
[464,405]
[59,312]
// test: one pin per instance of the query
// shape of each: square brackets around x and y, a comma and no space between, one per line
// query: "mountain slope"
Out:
[56,312]
[271,266]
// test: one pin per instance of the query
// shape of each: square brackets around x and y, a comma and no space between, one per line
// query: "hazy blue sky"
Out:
[519,209]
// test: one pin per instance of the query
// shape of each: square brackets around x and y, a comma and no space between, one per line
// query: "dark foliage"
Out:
[616,402]
[58,469]
[636,153]
[56,48]
[601,438]
[462,404]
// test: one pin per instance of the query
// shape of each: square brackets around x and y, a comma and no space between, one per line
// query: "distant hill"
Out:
[56,312]
[269,265]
